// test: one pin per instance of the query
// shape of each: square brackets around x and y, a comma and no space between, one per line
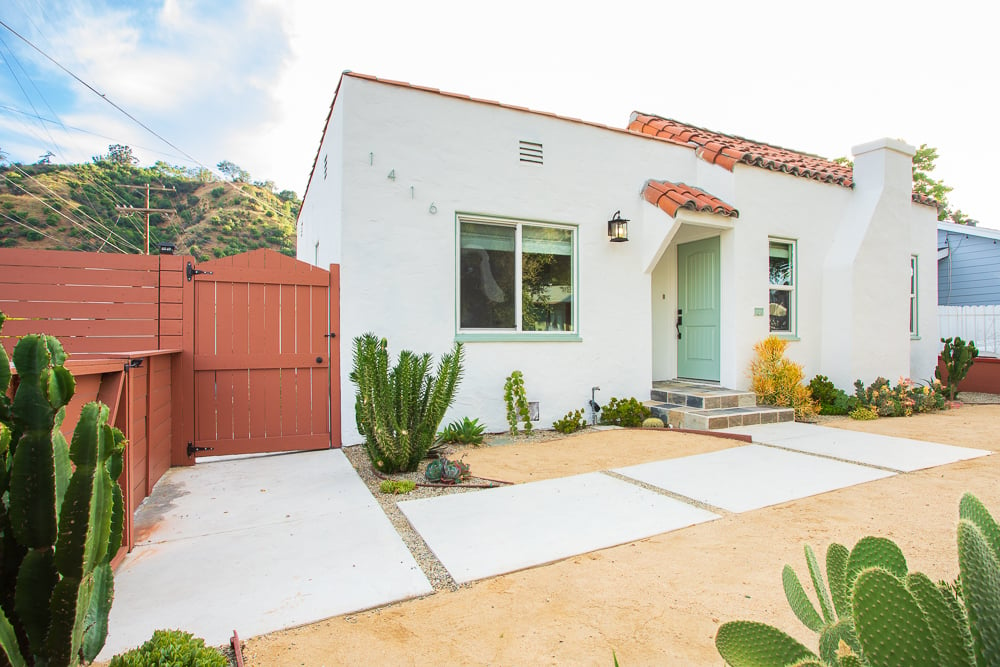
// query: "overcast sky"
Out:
[251,81]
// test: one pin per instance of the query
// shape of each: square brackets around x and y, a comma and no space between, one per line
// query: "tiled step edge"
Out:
[736,399]
[684,417]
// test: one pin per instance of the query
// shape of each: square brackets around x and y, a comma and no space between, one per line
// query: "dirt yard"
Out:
[659,600]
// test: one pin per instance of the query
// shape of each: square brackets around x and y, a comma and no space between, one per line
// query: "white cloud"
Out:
[251,80]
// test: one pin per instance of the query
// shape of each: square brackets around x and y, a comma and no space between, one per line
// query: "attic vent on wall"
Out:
[530,151]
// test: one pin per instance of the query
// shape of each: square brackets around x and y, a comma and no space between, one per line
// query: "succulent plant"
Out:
[62,522]
[957,357]
[877,614]
[443,470]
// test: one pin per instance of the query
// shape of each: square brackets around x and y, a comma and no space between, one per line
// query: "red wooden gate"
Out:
[261,355]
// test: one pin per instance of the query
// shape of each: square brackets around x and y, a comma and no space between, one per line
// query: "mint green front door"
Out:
[698,310]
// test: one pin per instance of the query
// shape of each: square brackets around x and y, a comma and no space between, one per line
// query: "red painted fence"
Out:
[164,343]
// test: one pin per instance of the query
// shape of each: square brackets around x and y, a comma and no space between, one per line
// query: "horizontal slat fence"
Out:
[975,323]
[92,302]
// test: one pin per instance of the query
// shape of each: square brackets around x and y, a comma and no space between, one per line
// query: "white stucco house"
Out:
[461,219]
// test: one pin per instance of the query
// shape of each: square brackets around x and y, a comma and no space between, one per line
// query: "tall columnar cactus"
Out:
[398,409]
[62,522]
[957,357]
[894,617]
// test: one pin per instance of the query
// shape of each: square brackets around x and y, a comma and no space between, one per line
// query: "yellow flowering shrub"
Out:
[778,381]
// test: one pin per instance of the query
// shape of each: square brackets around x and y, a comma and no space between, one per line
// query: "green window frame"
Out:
[782,281]
[516,279]
[914,296]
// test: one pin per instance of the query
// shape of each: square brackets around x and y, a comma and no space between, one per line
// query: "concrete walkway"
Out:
[264,543]
[258,544]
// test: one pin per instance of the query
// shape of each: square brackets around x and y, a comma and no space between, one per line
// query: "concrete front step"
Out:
[701,405]
[682,416]
[701,395]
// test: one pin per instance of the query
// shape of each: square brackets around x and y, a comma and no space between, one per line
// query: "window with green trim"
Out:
[914,302]
[781,283]
[516,277]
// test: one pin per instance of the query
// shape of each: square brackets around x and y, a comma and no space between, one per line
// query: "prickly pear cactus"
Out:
[63,520]
[957,357]
[887,615]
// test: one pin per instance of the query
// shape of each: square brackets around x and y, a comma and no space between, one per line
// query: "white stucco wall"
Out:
[398,265]
[319,222]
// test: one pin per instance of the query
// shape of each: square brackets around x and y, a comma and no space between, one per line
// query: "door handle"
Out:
[680,321]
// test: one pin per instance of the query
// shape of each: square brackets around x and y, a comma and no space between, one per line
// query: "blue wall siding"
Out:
[970,274]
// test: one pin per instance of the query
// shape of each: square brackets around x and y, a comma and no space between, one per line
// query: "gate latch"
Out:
[192,272]
[192,450]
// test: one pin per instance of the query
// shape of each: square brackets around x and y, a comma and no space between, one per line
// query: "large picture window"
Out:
[781,280]
[516,276]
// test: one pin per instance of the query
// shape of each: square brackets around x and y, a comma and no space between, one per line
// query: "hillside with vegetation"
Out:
[78,207]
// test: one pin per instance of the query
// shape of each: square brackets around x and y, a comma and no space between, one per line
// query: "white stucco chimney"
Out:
[872,240]
[884,163]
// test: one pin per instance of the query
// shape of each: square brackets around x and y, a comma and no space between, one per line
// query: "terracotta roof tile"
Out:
[727,150]
[925,200]
[672,196]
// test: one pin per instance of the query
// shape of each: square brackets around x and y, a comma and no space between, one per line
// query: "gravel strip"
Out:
[428,562]
[978,398]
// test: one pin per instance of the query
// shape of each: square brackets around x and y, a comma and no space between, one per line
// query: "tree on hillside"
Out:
[234,172]
[923,165]
[121,154]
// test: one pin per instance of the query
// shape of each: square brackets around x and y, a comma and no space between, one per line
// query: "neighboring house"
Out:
[460,219]
[968,267]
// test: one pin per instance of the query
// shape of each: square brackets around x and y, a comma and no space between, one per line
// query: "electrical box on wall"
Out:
[758,312]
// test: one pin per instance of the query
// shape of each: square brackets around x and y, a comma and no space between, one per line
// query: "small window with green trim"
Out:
[781,284]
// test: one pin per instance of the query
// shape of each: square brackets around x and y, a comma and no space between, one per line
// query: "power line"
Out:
[147,210]
[75,222]
[98,93]
[66,127]
[24,224]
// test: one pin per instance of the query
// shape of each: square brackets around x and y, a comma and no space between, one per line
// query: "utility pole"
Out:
[147,210]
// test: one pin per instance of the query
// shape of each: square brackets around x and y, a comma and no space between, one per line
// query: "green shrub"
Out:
[863,414]
[464,431]
[652,422]
[397,487]
[398,409]
[517,402]
[832,401]
[957,357]
[877,613]
[625,412]
[571,423]
[171,648]
[218,192]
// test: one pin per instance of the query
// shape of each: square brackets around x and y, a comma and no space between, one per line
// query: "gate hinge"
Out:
[192,450]
[330,335]
[192,272]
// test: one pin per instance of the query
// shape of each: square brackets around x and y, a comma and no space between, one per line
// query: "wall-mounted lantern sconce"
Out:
[618,228]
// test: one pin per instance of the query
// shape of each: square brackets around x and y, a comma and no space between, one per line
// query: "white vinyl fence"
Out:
[978,323]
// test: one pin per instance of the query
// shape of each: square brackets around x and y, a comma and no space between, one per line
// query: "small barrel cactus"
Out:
[652,422]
